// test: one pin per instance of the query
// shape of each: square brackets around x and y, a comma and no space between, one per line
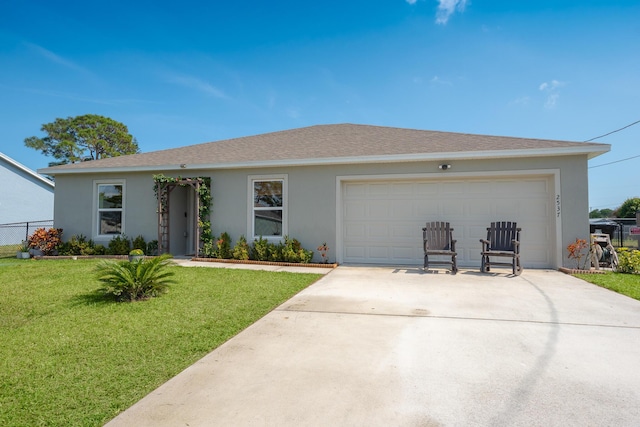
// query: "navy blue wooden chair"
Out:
[503,241]
[437,239]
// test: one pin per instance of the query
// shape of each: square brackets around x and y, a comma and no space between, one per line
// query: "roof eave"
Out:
[590,151]
[28,171]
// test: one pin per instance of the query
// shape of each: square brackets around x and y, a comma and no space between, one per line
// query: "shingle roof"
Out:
[337,143]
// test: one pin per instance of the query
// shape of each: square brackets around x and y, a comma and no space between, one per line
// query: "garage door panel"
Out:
[377,210]
[379,190]
[354,231]
[382,221]
[405,232]
[479,207]
[505,209]
[379,252]
[355,253]
[402,210]
[402,253]
[355,208]
[426,189]
[402,189]
[426,209]
[452,189]
[378,232]
[355,190]
[453,207]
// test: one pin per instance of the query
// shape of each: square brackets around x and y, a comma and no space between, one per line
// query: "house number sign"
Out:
[557,206]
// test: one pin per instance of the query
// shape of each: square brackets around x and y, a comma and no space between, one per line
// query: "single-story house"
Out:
[25,195]
[364,190]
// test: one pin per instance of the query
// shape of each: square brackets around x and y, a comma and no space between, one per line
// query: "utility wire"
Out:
[607,134]
[616,161]
[614,131]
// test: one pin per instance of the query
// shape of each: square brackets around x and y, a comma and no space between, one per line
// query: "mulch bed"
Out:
[283,264]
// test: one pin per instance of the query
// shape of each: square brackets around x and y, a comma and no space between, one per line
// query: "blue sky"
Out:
[181,73]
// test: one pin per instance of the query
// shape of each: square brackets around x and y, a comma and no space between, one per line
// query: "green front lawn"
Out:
[625,284]
[70,357]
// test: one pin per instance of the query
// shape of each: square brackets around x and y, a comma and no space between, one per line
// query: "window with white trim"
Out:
[109,208]
[268,213]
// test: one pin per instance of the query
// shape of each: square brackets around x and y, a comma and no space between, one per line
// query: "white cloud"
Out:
[522,101]
[411,1]
[438,80]
[551,89]
[552,85]
[446,8]
[197,84]
[552,100]
[54,57]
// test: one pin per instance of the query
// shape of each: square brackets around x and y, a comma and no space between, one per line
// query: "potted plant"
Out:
[136,255]
[23,252]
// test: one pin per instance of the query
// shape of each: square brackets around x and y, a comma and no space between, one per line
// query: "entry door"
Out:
[182,218]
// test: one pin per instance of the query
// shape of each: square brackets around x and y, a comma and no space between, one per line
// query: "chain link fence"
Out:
[13,234]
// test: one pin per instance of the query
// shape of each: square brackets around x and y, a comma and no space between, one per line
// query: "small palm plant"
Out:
[135,281]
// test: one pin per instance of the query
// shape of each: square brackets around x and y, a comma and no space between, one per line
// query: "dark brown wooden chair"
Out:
[437,239]
[503,240]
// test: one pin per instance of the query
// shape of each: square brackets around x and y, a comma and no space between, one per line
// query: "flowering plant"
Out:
[575,252]
[323,249]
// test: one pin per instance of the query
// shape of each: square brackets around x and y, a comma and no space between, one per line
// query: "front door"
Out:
[182,221]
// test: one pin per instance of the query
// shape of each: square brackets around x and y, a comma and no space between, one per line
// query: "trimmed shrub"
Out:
[628,261]
[275,251]
[260,251]
[119,245]
[223,247]
[78,245]
[241,250]
[294,252]
[152,248]
[139,243]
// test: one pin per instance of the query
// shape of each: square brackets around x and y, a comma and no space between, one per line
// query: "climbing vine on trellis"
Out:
[204,195]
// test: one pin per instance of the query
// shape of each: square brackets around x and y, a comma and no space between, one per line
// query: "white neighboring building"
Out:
[24,194]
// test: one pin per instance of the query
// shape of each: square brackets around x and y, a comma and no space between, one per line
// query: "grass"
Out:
[7,251]
[625,284]
[71,357]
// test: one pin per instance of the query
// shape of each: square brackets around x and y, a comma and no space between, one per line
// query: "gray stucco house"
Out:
[24,195]
[365,190]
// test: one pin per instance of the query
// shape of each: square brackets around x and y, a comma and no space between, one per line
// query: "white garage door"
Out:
[382,220]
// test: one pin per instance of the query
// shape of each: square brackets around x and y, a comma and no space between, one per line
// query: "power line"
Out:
[607,134]
[614,131]
[616,161]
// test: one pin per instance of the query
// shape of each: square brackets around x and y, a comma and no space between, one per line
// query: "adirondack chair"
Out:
[437,238]
[503,240]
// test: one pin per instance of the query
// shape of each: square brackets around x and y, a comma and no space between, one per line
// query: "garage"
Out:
[382,219]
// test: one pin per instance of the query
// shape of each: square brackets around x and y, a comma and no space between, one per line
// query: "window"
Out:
[268,206]
[109,208]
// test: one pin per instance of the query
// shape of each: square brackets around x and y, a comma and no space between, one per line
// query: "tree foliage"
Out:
[82,138]
[628,208]
[601,213]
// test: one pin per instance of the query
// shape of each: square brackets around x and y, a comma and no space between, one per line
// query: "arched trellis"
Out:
[163,187]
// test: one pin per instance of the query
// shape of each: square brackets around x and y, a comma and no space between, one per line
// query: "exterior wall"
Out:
[312,198]
[74,209]
[23,197]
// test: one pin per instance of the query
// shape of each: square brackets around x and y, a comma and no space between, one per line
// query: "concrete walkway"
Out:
[399,347]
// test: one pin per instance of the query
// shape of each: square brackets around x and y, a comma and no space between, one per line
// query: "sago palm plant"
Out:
[137,280]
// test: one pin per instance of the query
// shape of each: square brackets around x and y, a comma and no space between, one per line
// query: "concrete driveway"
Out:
[398,347]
